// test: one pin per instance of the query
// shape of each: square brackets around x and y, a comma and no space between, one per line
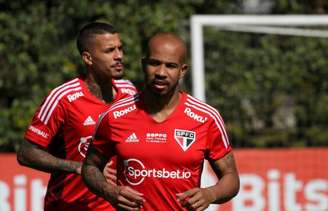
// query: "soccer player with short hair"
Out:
[63,125]
[161,138]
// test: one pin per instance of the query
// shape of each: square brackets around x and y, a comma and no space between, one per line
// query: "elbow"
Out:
[233,190]
[22,154]
[236,187]
[20,157]
[228,190]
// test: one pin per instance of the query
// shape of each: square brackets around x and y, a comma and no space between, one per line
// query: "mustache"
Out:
[118,63]
[159,81]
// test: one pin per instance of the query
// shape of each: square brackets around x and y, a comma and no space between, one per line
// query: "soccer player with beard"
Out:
[161,138]
[62,127]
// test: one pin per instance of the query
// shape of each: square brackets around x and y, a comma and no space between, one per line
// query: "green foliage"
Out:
[271,90]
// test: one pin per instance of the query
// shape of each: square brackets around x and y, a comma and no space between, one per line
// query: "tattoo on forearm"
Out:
[95,179]
[69,166]
[92,172]
[36,157]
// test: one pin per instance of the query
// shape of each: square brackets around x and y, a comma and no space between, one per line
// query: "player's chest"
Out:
[82,117]
[174,141]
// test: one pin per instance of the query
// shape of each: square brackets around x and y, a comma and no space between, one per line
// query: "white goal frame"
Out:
[268,24]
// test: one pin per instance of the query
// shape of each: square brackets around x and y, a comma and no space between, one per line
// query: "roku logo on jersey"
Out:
[74,96]
[128,91]
[135,172]
[194,116]
[120,113]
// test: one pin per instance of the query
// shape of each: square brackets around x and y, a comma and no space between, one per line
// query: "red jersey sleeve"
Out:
[124,89]
[46,122]
[102,139]
[217,139]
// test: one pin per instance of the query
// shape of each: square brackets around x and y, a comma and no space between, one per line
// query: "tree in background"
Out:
[270,89]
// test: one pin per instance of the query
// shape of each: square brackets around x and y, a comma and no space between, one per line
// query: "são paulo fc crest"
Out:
[185,138]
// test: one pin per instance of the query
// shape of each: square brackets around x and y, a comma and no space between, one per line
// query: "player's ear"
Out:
[183,70]
[86,57]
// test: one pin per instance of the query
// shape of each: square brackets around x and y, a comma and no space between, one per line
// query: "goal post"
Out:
[268,24]
[292,25]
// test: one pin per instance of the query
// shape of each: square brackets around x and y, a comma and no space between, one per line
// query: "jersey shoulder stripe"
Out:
[212,112]
[53,98]
[122,81]
[117,104]
[121,103]
[124,102]
[123,84]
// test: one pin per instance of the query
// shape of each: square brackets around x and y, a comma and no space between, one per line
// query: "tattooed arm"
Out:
[228,184]
[34,156]
[119,196]
[224,190]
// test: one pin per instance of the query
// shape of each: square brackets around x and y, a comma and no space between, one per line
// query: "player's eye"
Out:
[152,62]
[171,65]
[109,50]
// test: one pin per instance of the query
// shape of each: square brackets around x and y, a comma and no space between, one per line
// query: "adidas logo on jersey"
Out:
[89,121]
[132,138]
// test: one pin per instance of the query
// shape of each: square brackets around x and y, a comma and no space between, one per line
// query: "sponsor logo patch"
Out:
[135,172]
[74,96]
[185,138]
[128,91]
[156,137]
[84,145]
[38,131]
[195,116]
[123,112]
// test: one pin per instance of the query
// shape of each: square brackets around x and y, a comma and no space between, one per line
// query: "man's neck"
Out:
[160,107]
[102,90]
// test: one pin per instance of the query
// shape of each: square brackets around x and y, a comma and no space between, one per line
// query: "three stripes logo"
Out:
[132,138]
[89,121]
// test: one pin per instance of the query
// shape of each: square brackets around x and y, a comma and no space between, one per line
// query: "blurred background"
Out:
[272,90]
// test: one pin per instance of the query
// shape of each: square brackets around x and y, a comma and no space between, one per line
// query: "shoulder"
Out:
[69,90]
[123,83]
[124,87]
[122,107]
[200,111]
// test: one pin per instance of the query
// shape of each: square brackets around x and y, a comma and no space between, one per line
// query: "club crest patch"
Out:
[185,138]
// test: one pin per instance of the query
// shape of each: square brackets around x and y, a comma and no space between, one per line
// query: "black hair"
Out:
[91,29]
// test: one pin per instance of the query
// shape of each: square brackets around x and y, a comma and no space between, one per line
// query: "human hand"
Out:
[77,167]
[110,173]
[127,199]
[195,199]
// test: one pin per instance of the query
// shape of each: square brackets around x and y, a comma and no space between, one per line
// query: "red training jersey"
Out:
[166,158]
[64,124]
